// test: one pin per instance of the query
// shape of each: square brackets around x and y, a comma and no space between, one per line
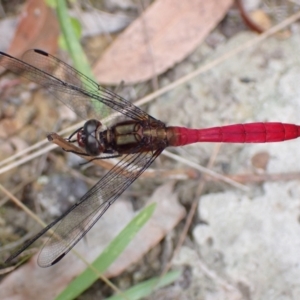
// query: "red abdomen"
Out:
[237,133]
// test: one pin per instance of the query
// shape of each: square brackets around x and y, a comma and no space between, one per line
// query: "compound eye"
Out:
[91,126]
[92,146]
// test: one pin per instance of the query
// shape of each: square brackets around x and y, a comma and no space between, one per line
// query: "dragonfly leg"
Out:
[107,157]
[75,132]
[95,158]
[76,152]
[71,141]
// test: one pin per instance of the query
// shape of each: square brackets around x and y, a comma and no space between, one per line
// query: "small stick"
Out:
[70,147]
[108,165]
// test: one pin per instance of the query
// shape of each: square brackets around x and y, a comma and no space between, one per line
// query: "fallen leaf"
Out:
[167,215]
[260,160]
[7,29]
[28,281]
[37,28]
[9,127]
[96,22]
[262,19]
[165,34]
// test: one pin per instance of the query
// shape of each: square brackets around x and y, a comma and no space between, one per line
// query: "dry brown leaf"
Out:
[164,35]
[37,28]
[167,215]
[28,281]
[260,160]
[9,127]
[95,22]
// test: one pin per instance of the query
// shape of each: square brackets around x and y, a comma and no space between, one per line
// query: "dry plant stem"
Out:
[18,188]
[21,205]
[261,178]
[36,145]
[179,174]
[69,147]
[219,280]
[17,243]
[206,171]
[27,158]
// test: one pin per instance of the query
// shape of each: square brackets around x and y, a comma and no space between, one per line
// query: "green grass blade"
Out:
[71,39]
[71,42]
[145,288]
[108,256]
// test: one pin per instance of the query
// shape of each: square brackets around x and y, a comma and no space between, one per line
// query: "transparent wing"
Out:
[72,225]
[77,91]
[83,215]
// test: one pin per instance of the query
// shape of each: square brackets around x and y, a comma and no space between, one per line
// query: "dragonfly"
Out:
[138,140]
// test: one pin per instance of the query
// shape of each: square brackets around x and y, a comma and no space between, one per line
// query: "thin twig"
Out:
[70,147]
[260,178]
[22,206]
[206,171]
[35,146]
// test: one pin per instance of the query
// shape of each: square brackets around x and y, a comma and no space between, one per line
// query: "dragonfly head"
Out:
[87,138]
